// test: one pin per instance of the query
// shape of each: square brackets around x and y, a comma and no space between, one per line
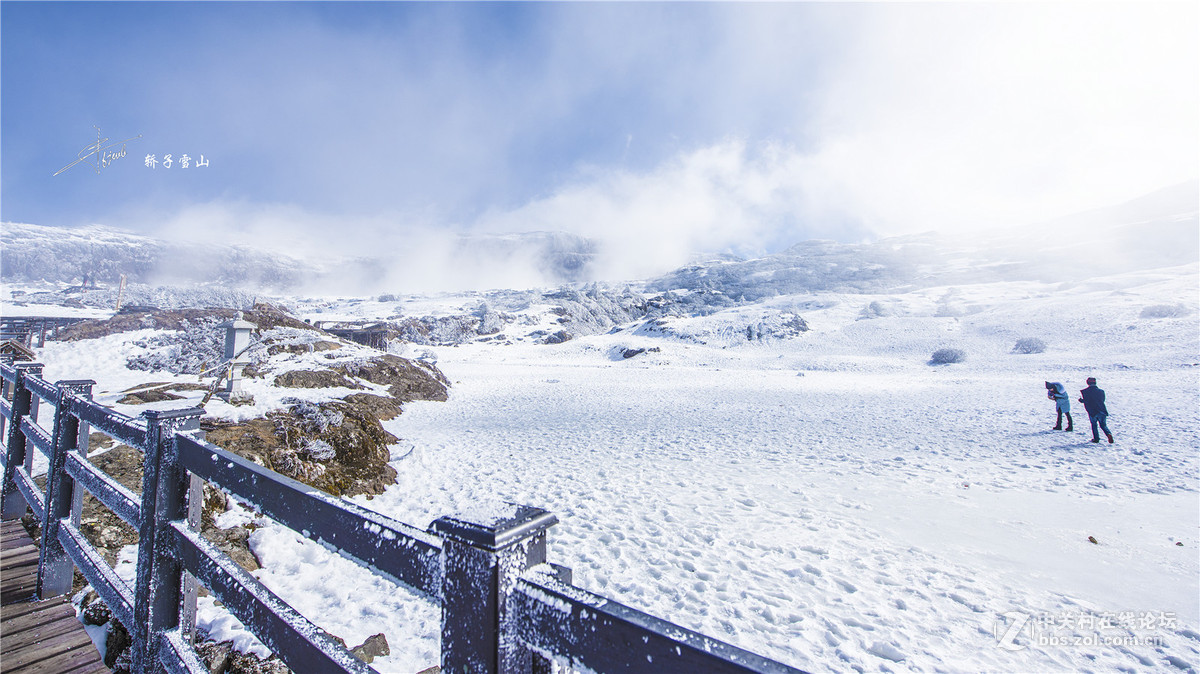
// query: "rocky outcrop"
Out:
[406,380]
[314,379]
[337,446]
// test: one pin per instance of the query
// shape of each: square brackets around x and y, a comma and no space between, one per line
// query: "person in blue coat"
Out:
[1062,402]
[1093,401]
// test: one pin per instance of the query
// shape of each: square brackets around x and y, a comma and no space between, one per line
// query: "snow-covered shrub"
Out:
[947,356]
[317,450]
[198,346]
[1029,345]
[874,309]
[315,418]
[188,351]
[1164,311]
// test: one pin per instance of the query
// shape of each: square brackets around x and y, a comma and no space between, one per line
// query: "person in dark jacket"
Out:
[1093,401]
[1062,402]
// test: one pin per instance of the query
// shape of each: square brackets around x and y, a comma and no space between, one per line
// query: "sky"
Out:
[658,129]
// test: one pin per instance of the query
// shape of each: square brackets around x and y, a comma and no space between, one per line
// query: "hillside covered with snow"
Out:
[765,451]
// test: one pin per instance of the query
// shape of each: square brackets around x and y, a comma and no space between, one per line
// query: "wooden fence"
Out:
[504,609]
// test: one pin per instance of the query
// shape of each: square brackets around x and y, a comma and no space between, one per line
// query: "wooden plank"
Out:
[14,535]
[17,537]
[18,558]
[18,591]
[14,615]
[31,619]
[57,657]
[17,609]
[47,648]
[37,637]
[12,527]
[96,667]
[44,628]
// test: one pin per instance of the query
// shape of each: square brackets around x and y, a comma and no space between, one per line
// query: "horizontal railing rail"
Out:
[501,610]
[565,621]
[397,550]
[300,644]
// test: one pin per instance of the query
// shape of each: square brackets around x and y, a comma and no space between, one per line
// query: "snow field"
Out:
[809,518]
[830,501]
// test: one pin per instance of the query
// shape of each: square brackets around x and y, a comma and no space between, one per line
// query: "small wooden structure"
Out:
[28,329]
[16,351]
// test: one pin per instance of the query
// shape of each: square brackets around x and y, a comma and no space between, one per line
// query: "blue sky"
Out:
[674,127]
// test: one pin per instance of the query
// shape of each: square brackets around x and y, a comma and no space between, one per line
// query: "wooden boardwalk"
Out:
[37,636]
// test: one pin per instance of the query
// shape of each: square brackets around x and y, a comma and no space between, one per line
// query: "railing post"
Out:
[157,596]
[5,359]
[191,588]
[481,562]
[54,565]
[16,453]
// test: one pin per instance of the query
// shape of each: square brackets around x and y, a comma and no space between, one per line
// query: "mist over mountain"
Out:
[1157,230]
[31,253]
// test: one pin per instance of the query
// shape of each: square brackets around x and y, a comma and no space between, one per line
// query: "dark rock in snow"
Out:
[406,380]
[216,656]
[96,613]
[314,379]
[116,647]
[375,646]
[383,407]
[248,663]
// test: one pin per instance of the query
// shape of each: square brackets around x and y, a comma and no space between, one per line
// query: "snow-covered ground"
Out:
[832,500]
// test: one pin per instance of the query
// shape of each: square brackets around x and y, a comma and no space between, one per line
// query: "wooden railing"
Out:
[504,608]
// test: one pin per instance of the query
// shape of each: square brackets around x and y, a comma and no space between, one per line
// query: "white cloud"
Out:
[903,118]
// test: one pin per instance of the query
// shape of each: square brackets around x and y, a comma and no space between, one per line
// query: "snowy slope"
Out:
[875,513]
[828,499]
[820,494]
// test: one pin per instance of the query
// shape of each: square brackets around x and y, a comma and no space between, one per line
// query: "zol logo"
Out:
[1008,626]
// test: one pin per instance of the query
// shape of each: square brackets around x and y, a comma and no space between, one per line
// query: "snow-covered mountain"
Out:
[31,253]
[102,254]
[1157,230]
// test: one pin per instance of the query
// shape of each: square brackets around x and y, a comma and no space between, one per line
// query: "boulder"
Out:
[337,446]
[376,646]
[406,380]
[314,379]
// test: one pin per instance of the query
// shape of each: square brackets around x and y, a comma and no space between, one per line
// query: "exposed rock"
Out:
[376,646]
[782,326]
[406,380]
[153,395]
[103,529]
[116,647]
[348,457]
[96,612]
[215,656]
[383,407]
[234,542]
[308,347]
[314,379]
[248,663]
[263,316]
[558,337]
[99,441]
